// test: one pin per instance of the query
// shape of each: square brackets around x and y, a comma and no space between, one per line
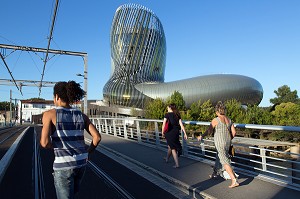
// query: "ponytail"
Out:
[69,92]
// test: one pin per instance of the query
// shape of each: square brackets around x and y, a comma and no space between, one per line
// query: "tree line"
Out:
[285,111]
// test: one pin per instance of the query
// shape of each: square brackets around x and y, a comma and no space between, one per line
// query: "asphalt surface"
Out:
[18,181]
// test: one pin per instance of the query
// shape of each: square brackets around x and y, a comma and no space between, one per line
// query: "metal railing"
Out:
[274,165]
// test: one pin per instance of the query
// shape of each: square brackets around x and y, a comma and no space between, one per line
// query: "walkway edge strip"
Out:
[5,161]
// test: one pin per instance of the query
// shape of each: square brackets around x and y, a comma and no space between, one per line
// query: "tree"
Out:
[284,94]
[234,110]
[177,98]
[207,112]
[186,115]
[287,114]
[257,115]
[202,111]
[5,106]
[155,109]
[194,110]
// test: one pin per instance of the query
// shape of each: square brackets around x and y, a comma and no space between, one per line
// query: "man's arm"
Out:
[91,129]
[46,130]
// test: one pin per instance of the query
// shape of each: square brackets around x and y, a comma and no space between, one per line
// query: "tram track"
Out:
[39,189]
[5,133]
[109,181]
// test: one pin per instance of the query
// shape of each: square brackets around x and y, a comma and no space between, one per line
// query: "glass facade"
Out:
[218,87]
[138,54]
[138,57]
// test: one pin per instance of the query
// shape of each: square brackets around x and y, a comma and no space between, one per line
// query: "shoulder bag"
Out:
[231,149]
[166,128]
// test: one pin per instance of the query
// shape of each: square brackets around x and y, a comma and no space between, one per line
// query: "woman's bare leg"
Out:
[168,154]
[175,156]
[229,170]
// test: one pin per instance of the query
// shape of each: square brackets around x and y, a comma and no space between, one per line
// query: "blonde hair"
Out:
[220,107]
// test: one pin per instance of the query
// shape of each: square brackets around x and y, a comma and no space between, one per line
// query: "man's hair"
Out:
[69,92]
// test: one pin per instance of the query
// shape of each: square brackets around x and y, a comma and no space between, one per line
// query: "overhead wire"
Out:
[53,62]
[49,67]
[33,61]
[8,40]
[17,61]
[49,41]
[10,73]
[3,55]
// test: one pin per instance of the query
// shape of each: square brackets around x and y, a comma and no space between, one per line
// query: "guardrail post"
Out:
[131,132]
[184,144]
[147,136]
[114,127]
[125,130]
[106,127]
[157,141]
[263,159]
[138,131]
[202,147]
[98,124]
[296,165]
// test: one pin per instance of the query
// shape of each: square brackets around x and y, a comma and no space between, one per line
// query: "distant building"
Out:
[138,61]
[28,108]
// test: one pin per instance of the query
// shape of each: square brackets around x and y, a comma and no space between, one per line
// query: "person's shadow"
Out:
[210,182]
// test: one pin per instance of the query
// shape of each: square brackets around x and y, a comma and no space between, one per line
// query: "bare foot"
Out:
[234,184]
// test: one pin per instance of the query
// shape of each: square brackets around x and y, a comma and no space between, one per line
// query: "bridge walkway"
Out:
[193,176]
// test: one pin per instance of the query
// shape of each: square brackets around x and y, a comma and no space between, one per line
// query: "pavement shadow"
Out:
[206,184]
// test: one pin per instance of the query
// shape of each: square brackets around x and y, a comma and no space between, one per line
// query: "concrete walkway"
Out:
[192,176]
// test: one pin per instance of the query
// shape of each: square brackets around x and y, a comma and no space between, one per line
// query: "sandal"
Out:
[213,175]
[234,184]
[175,167]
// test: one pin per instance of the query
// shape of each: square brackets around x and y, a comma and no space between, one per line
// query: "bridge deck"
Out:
[193,174]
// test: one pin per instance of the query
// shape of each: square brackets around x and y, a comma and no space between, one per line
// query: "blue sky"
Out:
[255,38]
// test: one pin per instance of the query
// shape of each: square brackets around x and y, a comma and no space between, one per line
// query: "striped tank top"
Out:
[68,139]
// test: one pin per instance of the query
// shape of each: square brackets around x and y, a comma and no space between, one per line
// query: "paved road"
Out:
[18,181]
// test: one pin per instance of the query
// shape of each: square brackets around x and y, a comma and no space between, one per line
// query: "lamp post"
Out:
[85,89]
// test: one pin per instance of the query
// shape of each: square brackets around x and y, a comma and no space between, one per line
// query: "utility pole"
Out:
[10,112]
[85,76]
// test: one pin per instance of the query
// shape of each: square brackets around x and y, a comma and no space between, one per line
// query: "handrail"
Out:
[237,125]
[258,161]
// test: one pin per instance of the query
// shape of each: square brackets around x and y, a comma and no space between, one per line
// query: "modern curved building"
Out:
[138,57]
